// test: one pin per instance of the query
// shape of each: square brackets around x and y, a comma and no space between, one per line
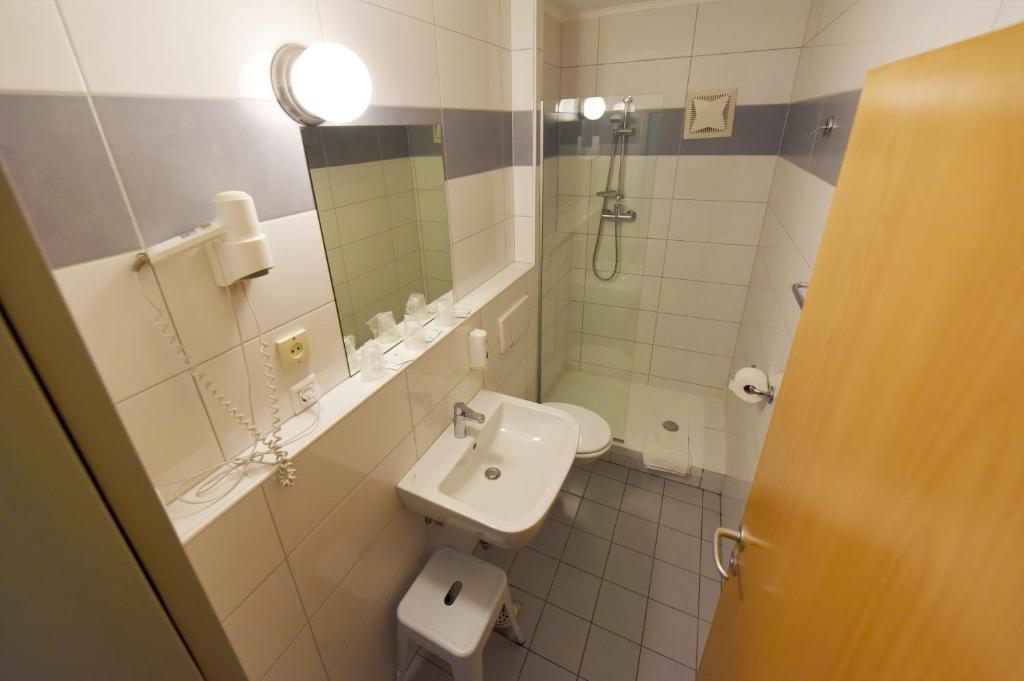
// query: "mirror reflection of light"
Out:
[567,106]
[332,82]
[594,108]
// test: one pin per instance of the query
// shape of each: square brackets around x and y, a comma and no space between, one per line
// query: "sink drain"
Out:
[492,473]
[670,426]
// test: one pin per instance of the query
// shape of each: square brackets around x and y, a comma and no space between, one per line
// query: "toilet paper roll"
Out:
[748,376]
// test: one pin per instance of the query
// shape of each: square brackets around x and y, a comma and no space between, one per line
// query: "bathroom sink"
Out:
[499,482]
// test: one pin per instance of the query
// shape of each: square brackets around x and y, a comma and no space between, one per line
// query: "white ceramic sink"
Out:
[530,446]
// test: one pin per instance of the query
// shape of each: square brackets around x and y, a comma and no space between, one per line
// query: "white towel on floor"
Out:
[676,461]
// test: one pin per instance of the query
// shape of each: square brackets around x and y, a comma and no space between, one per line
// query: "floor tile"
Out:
[709,592]
[651,483]
[605,491]
[530,608]
[611,470]
[561,637]
[575,590]
[681,516]
[628,568]
[586,552]
[576,481]
[536,668]
[596,518]
[533,572]
[710,520]
[676,587]
[621,611]
[655,667]
[422,669]
[564,509]
[641,503]
[671,633]
[678,548]
[551,539]
[609,657]
[636,533]
[502,658]
[496,555]
[703,629]
[677,490]
[707,559]
[711,501]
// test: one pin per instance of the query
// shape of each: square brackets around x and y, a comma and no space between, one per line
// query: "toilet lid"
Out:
[595,433]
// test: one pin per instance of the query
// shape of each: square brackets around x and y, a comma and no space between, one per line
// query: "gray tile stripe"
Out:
[53,155]
[522,138]
[821,156]
[348,145]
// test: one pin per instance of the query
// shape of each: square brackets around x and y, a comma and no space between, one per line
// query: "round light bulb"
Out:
[330,81]
[594,108]
[567,106]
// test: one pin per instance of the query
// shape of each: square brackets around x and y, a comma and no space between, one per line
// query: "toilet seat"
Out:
[595,433]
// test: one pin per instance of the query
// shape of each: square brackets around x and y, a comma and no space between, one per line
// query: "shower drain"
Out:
[492,473]
[670,426]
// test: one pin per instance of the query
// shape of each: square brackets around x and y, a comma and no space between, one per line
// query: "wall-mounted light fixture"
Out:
[593,108]
[322,83]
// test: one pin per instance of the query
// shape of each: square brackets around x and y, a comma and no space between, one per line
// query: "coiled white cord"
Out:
[203,483]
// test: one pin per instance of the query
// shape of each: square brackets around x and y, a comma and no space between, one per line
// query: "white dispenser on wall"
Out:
[236,246]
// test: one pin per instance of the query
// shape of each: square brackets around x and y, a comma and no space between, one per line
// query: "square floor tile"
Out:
[655,667]
[679,548]
[628,568]
[575,590]
[609,657]
[596,518]
[710,589]
[496,555]
[502,658]
[677,490]
[621,611]
[671,633]
[711,501]
[611,470]
[681,516]
[551,539]
[536,668]
[636,533]
[651,483]
[530,608]
[710,520]
[561,637]
[703,629]
[605,490]
[564,509]
[586,552]
[576,481]
[707,559]
[641,503]
[533,572]
[676,587]
[422,669]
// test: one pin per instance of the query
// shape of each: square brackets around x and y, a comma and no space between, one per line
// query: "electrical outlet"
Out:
[294,350]
[304,393]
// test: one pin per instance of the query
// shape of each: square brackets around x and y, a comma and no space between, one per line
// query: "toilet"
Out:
[595,433]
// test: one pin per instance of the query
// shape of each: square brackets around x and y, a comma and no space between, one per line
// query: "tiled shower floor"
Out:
[619,585]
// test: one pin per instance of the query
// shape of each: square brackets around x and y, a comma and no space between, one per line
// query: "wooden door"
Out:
[885,526]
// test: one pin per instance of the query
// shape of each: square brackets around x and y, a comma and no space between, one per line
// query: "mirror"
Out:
[379,192]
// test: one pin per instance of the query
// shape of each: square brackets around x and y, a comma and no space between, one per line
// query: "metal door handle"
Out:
[726,533]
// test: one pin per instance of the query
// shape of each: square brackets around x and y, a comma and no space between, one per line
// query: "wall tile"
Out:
[440,416]
[476,141]
[481,20]
[760,77]
[236,553]
[724,178]
[692,367]
[438,371]
[339,460]
[470,71]
[49,142]
[552,44]
[723,222]
[664,77]
[265,623]
[107,304]
[169,44]
[37,54]
[475,202]
[743,25]
[170,432]
[659,33]
[579,81]
[718,263]
[523,28]
[174,155]
[579,42]
[323,559]
[404,71]
[478,258]
[699,335]
[701,299]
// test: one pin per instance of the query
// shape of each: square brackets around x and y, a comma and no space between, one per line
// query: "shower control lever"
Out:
[619,214]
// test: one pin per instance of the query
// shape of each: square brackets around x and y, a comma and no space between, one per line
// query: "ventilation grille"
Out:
[709,114]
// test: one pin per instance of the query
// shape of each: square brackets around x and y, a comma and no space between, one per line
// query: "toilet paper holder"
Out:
[768,395]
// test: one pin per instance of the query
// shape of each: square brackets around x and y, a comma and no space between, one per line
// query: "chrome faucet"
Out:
[462,413]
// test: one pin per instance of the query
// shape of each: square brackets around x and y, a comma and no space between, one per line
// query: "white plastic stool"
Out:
[451,608]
